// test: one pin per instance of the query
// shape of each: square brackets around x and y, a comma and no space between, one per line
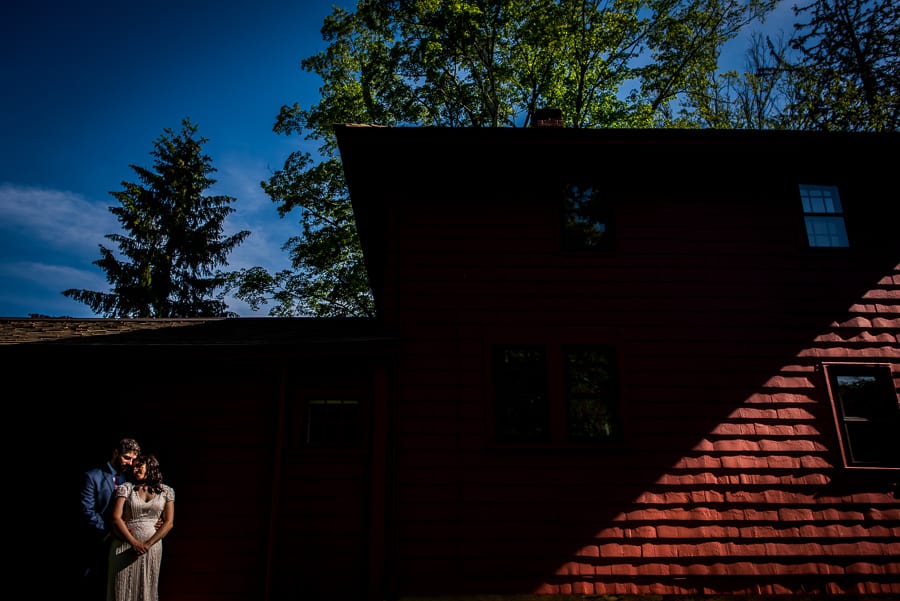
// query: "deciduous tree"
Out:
[847,74]
[838,71]
[472,63]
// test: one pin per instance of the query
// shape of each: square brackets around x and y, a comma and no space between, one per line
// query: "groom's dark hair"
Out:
[128,444]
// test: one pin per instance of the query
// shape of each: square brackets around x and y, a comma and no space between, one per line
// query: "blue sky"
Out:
[88,86]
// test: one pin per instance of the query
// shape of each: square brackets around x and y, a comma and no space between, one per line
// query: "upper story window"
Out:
[824,216]
[581,408]
[585,219]
[867,413]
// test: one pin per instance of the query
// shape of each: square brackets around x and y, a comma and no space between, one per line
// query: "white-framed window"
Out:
[824,216]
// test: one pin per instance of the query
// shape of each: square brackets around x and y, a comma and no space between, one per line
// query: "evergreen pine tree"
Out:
[173,242]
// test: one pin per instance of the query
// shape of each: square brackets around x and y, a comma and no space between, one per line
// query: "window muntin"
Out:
[867,414]
[585,219]
[556,395]
[824,216]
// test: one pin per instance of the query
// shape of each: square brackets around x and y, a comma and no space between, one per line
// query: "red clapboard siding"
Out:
[727,480]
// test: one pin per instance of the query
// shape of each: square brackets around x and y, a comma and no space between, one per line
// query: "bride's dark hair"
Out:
[153,478]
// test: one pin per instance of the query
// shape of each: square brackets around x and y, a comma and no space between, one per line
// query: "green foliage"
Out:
[472,63]
[174,238]
[329,277]
[685,39]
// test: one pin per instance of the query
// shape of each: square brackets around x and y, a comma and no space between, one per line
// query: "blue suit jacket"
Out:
[97,490]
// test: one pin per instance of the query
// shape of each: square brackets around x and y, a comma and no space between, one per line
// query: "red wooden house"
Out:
[605,362]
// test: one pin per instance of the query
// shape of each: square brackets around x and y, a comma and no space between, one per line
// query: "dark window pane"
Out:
[590,394]
[866,441]
[820,199]
[826,231]
[520,394]
[585,219]
[858,396]
[334,423]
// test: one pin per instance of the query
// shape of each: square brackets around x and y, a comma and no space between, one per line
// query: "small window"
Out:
[824,216]
[585,219]
[520,394]
[867,414]
[590,394]
[333,423]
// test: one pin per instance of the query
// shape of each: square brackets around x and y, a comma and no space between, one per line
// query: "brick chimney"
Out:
[547,118]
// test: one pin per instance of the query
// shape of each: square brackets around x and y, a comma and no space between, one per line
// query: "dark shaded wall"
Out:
[211,424]
[258,514]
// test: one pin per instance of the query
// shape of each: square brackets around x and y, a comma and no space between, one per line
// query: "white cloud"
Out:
[28,287]
[58,218]
[57,277]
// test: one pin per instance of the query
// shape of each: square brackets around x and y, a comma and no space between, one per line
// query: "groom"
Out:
[97,490]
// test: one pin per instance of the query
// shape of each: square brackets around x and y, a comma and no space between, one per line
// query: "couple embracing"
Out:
[127,510]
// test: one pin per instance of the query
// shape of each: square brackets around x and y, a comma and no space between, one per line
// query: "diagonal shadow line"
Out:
[731,484]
